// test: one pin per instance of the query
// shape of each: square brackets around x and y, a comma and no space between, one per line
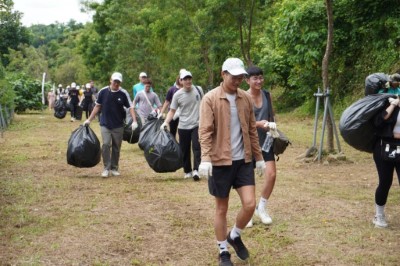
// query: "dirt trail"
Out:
[55,214]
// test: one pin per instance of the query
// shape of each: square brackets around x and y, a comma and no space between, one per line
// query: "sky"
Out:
[50,11]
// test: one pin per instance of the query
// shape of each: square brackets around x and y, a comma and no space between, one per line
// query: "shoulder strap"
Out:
[144,93]
[198,90]
[271,113]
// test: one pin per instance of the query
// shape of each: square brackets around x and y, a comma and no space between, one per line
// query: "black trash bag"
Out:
[60,109]
[83,148]
[164,154]
[149,130]
[356,123]
[375,82]
[129,135]
[78,112]
[280,143]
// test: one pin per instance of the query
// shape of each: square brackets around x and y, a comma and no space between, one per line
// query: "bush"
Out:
[28,93]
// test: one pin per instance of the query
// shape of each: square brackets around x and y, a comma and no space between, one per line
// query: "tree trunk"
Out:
[325,68]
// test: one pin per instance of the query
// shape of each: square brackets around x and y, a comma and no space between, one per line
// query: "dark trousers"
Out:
[173,127]
[189,139]
[74,107]
[385,172]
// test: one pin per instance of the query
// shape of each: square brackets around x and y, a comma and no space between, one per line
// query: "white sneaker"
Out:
[188,175]
[105,173]
[264,216]
[115,173]
[380,221]
[250,223]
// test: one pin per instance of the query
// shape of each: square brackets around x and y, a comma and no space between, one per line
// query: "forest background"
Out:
[287,39]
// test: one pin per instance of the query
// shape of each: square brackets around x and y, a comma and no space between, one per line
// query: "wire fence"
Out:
[6,115]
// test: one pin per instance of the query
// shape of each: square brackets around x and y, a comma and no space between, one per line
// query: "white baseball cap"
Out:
[234,66]
[73,85]
[116,76]
[184,73]
[142,74]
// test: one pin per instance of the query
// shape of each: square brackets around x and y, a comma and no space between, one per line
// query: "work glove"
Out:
[159,115]
[154,113]
[260,168]
[394,101]
[134,125]
[205,169]
[164,126]
[86,123]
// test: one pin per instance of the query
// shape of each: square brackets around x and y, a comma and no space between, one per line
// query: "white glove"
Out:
[134,125]
[205,169]
[272,125]
[154,113]
[86,123]
[164,126]
[159,115]
[394,101]
[260,168]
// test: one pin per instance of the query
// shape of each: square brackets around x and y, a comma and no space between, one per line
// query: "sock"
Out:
[380,210]
[263,203]
[222,245]
[235,232]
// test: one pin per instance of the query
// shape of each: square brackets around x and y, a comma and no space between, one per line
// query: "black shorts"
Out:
[268,156]
[223,178]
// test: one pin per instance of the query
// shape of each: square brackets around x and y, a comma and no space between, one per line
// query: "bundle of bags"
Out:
[161,150]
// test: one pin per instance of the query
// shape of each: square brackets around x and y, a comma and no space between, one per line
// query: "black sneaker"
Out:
[196,176]
[225,259]
[240,249]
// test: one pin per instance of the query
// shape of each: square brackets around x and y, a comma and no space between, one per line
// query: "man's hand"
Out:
[394,101]
[270,125]
[164,126]
[86,123]
[260,168]
[159,115]
[134,125]
[205,169]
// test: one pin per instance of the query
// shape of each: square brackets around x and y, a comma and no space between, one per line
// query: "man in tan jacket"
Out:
[229,142]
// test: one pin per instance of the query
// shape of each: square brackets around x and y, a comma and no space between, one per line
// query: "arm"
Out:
[206,129]
[165,106]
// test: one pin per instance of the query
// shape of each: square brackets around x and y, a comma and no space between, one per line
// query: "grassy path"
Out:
[54,214]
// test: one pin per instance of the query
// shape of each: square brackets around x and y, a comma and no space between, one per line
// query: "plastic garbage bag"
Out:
[356,123]
[375,82]
[132,136]
[60,109]
[164,154]
[149,130]
[83,148]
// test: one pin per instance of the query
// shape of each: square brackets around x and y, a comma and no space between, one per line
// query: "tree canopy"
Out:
[285,38]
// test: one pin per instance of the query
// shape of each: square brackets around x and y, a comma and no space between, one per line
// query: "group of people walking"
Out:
[224,129]
[76,97]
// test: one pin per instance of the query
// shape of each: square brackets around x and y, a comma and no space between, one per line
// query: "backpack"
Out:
[375,82]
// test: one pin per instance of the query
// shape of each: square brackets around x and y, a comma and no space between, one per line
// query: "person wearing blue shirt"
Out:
[111,101]
[139,86]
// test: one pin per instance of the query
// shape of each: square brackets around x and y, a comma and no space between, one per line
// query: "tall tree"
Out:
[12,33]
[325,67]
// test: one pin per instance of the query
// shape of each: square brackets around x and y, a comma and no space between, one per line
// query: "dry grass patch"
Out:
[54,214]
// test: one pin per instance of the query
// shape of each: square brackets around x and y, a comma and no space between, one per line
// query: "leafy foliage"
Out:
[28,93]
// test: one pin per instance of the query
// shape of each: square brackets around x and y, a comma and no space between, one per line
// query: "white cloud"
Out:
[50,11]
